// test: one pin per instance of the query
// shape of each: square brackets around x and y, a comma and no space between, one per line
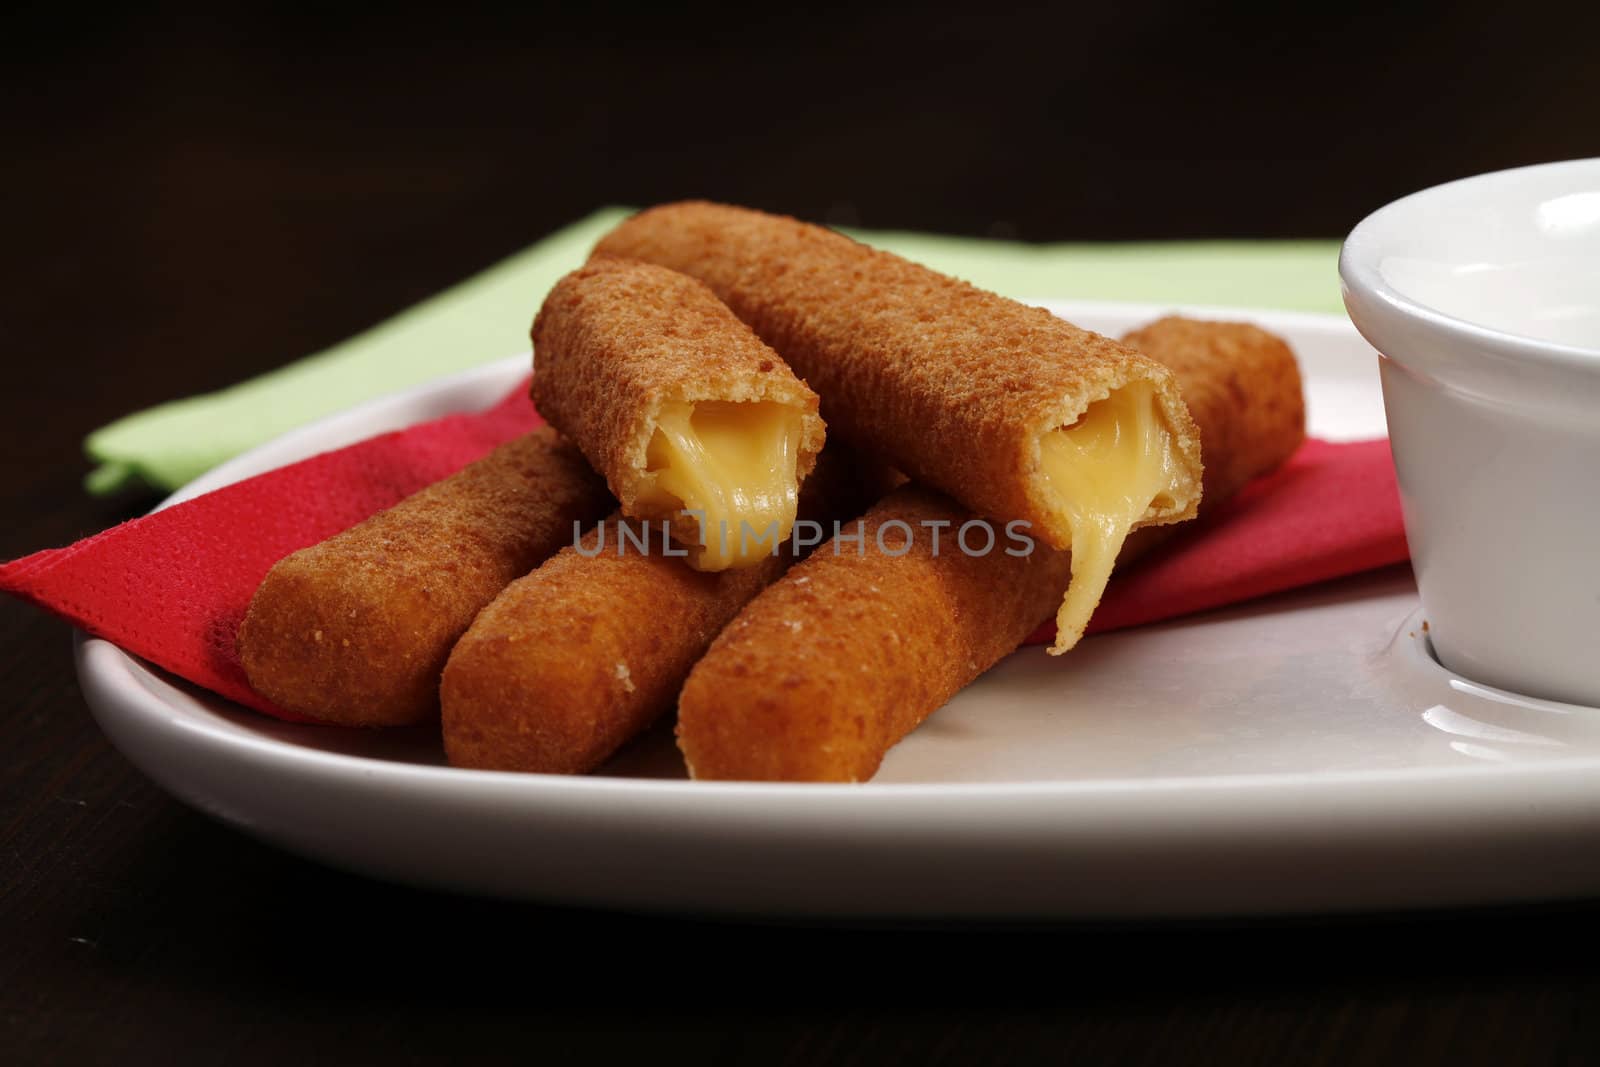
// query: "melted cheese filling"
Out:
[1103,470]
[734,465]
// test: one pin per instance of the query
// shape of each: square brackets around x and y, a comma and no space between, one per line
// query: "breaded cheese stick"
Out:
[833,664]
[830,666]
[570,662]
[355,630]
[684,410]
[1011,411]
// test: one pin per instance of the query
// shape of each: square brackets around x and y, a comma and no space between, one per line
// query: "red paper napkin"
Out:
[172,587]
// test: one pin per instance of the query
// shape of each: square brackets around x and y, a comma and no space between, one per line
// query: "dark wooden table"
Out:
[190,201]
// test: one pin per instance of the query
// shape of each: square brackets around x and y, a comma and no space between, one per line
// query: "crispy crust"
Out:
[952,384]
[573,660]
[355,630]
[832,665]
[616,340]
[829,667]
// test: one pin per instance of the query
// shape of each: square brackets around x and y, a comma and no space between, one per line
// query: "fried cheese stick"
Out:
[356,629]
[570,662]
[1010,410]
[837,661]
[684,410]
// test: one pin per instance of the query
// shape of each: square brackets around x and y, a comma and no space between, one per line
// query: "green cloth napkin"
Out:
[487,317]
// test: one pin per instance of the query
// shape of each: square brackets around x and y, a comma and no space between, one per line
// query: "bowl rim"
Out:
[1361,279]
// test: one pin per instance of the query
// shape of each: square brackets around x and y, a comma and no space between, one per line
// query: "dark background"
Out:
[190,199]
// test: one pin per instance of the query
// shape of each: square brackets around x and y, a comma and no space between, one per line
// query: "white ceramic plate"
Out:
[1296,754]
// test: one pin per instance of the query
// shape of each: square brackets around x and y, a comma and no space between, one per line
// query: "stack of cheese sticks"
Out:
[803,606]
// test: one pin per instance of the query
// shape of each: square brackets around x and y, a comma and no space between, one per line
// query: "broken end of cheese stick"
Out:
[685,411]
[1241,384]
[1106,469]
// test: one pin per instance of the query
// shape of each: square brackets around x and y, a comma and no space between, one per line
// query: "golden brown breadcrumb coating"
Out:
[573,660]
[833,664]
[952,384]
[355,630]
[819,675]
[615,341]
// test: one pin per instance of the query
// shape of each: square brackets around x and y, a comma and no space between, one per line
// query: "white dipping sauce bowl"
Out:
[1483,297]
